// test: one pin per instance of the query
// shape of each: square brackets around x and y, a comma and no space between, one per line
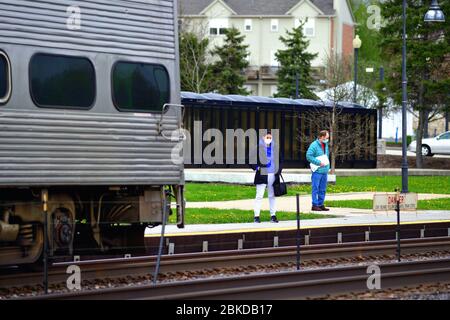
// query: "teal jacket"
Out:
[315,150]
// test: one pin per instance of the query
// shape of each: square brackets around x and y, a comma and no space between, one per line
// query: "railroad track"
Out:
[139,266]
[282,285]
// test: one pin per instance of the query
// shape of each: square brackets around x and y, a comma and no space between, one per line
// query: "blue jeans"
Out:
[319,188]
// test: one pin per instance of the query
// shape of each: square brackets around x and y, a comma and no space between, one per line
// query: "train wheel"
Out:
[63,230]
[29,248]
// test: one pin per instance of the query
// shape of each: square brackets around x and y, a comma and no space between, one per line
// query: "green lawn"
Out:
[434,204]
[419,184]
[217,192]
[210,216]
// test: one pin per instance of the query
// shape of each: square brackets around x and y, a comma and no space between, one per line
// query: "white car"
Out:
[432,146]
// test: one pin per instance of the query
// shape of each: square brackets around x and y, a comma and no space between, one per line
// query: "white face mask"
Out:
[325,140]
[268,141]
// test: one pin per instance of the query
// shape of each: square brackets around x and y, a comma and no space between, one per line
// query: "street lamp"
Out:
[356,45]
[434,14]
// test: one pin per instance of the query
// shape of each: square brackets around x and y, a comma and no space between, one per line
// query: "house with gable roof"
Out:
[330,28]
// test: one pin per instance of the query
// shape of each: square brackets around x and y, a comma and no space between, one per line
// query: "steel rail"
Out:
[124,267]
[282,285]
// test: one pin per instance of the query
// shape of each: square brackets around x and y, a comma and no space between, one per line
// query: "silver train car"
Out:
[89,110]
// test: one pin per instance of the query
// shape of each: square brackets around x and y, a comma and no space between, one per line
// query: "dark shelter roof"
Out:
[237,100]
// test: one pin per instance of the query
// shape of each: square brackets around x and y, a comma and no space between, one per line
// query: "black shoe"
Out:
[323,208]
[274,219]
[316,208]
[257,220]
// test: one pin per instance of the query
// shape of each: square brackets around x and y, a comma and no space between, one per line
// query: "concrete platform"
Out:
[344,216]
[355,219]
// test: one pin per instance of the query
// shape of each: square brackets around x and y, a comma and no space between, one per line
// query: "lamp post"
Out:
[446,121]
[434,14]
[404,101]
[380,111]
[356,45]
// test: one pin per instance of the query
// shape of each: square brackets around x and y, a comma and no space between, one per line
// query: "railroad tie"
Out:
[306,240]
[240,244]
[339,237]
[171,248]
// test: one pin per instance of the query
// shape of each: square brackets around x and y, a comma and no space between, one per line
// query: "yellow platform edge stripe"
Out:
[289,228]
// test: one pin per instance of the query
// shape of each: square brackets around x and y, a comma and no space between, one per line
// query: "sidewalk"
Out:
[289,203]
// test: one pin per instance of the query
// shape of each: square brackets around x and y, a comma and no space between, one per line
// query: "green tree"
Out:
[368,15]
[195,68]
[295,61]
[428,70]
[368,19]
[227,71]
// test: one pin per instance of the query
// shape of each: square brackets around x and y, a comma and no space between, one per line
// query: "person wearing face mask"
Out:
[267,172]
[319,178]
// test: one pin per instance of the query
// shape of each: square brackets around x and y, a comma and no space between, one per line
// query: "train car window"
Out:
[140,87]
[5,78]
[62,81]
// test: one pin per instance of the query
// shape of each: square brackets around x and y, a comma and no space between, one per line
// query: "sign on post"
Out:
[395,201]
[388,201]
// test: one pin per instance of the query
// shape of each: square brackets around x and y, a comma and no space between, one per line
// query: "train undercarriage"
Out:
[94,220]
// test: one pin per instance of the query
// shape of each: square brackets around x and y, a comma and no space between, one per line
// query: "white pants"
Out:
[260,189]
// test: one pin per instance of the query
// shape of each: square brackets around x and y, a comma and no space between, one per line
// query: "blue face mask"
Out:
[325,141]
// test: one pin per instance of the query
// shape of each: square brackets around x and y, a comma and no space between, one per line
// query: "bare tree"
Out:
[195,59]
[337,73]
[353,134]
[349,133]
